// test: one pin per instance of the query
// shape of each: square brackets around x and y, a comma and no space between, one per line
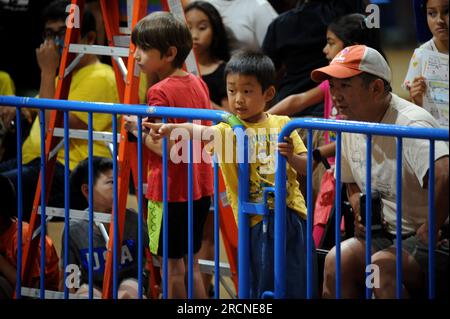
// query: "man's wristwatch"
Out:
[319,159]
[317,156]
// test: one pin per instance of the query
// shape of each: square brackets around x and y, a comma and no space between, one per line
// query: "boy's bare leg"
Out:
[207,250]
[199,287]
[176,285]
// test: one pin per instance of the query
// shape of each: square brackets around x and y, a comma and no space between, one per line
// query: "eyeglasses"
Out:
[51,34]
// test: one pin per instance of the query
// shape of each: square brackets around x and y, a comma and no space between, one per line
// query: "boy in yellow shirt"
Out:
[250,79]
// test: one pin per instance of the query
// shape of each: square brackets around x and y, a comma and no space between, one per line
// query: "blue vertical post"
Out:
[190,221]
[19,204]
[243,219]
[398,239]
[115,208]
[431,225]
[66,201]
[280,223]
[43,210]
[338,214]
[368,209]
[309,217]
[91,206]
[216,229]
[140,197]
[165,218]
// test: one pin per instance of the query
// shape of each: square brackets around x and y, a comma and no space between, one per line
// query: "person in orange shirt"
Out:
[9,244]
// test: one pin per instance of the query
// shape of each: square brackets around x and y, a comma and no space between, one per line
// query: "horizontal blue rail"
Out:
[369,129]
[115,108]
[366,128]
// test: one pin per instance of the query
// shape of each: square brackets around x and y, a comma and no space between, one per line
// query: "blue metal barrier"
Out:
[369,129]
[114,109]
[243,205]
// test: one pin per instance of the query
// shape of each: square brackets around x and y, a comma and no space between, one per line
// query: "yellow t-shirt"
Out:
[93,83]
[6,84]
[263,139]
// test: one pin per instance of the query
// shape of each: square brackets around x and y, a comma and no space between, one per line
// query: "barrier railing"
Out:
[369,129]
[243,204]
[114,109]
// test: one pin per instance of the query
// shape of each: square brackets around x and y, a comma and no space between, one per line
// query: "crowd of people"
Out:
[316,59]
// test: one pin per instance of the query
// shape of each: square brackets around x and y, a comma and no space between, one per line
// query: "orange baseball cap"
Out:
[352,61]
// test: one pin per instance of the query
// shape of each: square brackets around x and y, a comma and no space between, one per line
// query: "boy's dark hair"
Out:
[9,199]
[352,29]
[219,46]
[56,11]
[254,64]
[160,31]
[80,176]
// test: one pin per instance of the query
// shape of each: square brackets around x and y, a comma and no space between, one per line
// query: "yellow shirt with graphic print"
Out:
[263,140]
[93,83]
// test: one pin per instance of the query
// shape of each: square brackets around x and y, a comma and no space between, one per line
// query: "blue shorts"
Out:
[262,258]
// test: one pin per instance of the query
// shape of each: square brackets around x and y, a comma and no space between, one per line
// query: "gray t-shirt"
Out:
[384,178]
[79,249]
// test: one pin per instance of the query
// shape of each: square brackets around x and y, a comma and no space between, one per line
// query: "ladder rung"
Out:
[208,267]
[76,214]
[98,50]
[49,294]
[122,41]
[83,135]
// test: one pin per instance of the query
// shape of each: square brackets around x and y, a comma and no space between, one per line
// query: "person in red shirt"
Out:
[162,45]
[9,243]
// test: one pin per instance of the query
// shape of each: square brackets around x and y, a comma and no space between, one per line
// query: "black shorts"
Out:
[178,227]
[419,251]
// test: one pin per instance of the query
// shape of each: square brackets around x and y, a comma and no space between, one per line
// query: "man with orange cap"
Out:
[360,87]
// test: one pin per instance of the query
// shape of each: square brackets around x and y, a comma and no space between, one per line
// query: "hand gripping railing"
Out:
[368,129]
[113,109]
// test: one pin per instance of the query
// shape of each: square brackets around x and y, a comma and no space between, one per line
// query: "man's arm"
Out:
[441,191]
[327,150]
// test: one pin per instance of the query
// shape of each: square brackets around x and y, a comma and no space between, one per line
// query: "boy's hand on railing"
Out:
[158,130]
[130,123]
[286,148]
